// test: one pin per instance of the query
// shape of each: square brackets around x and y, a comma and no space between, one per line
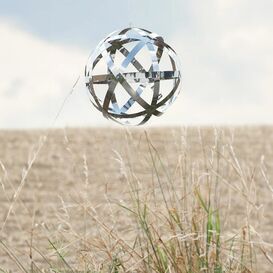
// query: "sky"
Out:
[225,47]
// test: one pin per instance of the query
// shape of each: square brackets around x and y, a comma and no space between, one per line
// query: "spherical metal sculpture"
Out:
[133,75]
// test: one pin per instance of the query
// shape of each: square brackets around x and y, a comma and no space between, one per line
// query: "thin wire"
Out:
[130,13]
[64,102]
[172,13]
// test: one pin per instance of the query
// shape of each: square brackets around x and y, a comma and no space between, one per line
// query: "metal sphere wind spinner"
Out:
[133,75]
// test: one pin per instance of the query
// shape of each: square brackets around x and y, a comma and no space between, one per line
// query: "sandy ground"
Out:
[59,172]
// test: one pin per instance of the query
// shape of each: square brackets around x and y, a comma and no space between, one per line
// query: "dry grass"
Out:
[161,200]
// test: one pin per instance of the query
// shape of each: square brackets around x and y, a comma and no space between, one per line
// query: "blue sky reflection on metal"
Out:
[133,65]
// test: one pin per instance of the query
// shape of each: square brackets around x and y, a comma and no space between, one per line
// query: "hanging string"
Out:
[172,14]
[130,13]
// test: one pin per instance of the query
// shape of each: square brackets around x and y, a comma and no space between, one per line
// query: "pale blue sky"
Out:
[226,49]
[84,22]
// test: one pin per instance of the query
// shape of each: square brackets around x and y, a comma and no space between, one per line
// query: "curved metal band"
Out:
[107,50]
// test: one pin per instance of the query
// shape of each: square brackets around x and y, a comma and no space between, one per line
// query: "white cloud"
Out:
[227,65]
[227,72]
[36,75]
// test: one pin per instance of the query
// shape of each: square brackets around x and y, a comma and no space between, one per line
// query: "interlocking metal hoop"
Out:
[135,109]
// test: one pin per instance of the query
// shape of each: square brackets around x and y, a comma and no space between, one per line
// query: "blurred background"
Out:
[226,50]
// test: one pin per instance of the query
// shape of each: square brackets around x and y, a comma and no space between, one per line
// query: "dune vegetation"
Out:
[152,200]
